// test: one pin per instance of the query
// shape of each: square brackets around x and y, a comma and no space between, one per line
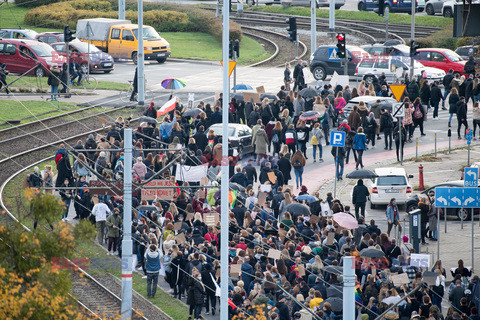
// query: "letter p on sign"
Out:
[337,138]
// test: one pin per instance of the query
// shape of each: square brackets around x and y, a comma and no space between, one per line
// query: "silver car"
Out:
[434,7]
[307,3]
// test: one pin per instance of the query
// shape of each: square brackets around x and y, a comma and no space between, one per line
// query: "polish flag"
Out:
[167,107]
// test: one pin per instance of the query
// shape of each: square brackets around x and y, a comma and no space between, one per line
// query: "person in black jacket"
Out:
[198,295]
[461,116]
[359,198]
[469,89]
[470,66]
[200,138]
[250,172]
[285,167]
[239,177]
[3,78]
[447,79]
[253,116]
[210,288]
[425,93]
[435,97]
[283,313]
[135,86]
[412,89]
[386,125]
[339,152]
[151,111]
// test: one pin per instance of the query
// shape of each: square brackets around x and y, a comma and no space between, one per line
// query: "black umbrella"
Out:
[385,105]
[334,292]
[148,120]
[298,209]
[310,115]
[336,302]
[236,186]
[308,93]
[192,112]
[372,253]
[362,174]
[148,208]
[333,269]
[238,96]
[268,96]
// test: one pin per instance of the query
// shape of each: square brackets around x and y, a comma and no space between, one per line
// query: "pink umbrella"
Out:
[345,220]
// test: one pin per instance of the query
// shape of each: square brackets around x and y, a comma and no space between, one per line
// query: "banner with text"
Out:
[162,193]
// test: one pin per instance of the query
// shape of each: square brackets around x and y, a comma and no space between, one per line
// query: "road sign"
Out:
[337,138]
[398,110]
[470,176]
[333,54]
[397,90]
[457,197]
[231,66]
[469,136]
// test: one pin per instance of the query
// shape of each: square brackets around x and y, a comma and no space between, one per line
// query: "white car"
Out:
[448,10]
[390,183]
[395,68]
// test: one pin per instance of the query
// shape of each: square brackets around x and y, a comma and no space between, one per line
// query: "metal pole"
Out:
[400,125]
[68,70]
[416,149]
[234,70]
[140,57]
[435,144]
[348,288]
[386,25]
[331,16]
[412,36]
[438,233]
[335,179]
[345,64]
[121,9]
[224,163]
[445,218]
[89,28]
[468,148]
[313,27]
[296,49]
[473,242]
[127,255]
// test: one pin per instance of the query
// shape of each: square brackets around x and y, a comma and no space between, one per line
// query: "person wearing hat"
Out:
[54,81]
[151,111]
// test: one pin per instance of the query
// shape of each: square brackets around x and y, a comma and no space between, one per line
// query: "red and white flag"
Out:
[167,107]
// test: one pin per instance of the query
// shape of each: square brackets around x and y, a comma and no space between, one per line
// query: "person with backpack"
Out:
[152,265]
[302,137]
[418,115]
[399,141]
[370,125]
[291,138]
[350,135]
[338,154]
[359,144]
[452,104]
[462,116]
[386,125]
[316,142]
[277,137]
[393,216]
[298,162]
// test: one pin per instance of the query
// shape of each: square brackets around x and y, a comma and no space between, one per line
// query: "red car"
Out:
[444,59]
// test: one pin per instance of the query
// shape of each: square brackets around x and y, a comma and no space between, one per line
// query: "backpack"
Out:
[314,140]
[164,134]
[417,114]
[289,137]
[297,164]
[275,138]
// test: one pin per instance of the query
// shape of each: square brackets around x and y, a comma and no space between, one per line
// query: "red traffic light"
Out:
[340,37]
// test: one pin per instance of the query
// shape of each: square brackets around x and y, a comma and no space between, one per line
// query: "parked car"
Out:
[239,135]
[257,2]
[391,5]
[325,61]
[370,69]
[307,3]
[433,7]
[466,51]
[50,37]
[461,213]
[21,56]
[383,50]
[18,34]
[99,61]
[440,58]
[390,183]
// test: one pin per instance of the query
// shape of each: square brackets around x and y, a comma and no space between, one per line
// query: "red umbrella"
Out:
[345,220]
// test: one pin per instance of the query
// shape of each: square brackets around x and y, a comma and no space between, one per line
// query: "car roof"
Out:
[49,33]
[390,172]
[230,125]
[27,42]
[365,99]
[433,49]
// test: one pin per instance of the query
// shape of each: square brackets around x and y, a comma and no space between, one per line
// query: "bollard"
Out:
[449,141]
[416,149]
[421,187]
[435,145]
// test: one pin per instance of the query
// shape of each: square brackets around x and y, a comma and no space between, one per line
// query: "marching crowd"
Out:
[175,240]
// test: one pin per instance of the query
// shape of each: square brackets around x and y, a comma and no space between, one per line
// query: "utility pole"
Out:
[127,260]
[412,38]
[140,57]
[386,25]
[121,9]
[313,27]
[348,288]
[331,16]
[224,163]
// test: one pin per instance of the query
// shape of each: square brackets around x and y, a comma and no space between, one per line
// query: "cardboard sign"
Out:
[301,270]
[204,181]
[180,238]
[265,187]
[249,96]
[330,238]
[430,277]
[106,188]
[399,279]
[314,219]
[260,89]
[262,198]
[274,254]
[420,260]
[235,270]
[211,218]
[160,193]
[272,177]
[177,225]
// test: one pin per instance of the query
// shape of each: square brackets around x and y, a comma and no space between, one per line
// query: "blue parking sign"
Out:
[337,138]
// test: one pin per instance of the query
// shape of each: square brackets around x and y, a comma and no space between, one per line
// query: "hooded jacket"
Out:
[360,193]
[152,261]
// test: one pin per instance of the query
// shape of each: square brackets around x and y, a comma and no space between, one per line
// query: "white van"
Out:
[390,183]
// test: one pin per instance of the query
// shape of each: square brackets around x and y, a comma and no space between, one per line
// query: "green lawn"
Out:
[12,16]
[33,82]
[435,21]
[203,46]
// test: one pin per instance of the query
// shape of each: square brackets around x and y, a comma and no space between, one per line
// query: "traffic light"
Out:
[68,34]
[341,47]
[292,29]
[413,48]
[230,49]
[381,7]
[236,48]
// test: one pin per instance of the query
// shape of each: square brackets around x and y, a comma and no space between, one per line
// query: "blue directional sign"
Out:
[337,138]
[332,54]
[470,176]
[457,197]
[469,136]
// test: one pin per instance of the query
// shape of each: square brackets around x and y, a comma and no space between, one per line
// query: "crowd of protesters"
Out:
[174,240]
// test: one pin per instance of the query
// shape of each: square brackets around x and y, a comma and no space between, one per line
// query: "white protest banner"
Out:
[420,260]
[190,173]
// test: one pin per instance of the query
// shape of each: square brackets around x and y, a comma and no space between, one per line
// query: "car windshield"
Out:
[391,181]
[42,50]
[452,56]
[148,33]
[30,34]
[83,47]
[218,131]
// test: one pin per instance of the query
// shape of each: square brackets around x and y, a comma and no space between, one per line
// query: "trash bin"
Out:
[415,228]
